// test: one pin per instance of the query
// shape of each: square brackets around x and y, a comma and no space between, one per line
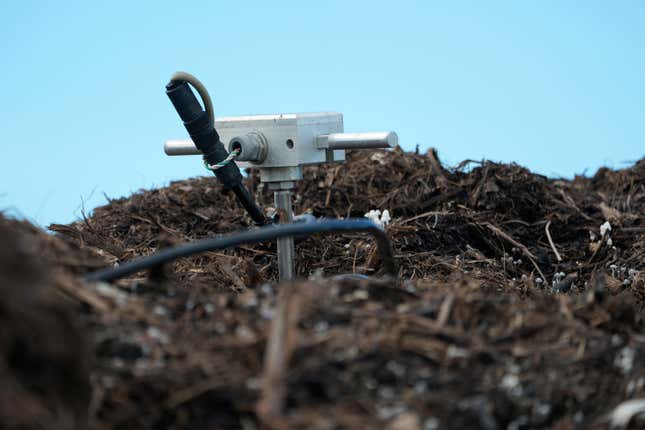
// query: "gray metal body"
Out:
[279,145]
[293,140]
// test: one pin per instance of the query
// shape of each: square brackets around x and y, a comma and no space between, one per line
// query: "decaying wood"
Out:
[280,346]
[470,335]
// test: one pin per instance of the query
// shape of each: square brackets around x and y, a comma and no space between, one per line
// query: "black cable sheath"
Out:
[202,132]
[248,203]
[269,232]
[200,126]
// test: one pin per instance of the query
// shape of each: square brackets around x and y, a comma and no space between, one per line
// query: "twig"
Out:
[329,181]
[184,395]
[240,286]
[423,215]
[445,309]
[548,236]
[84,295]
[508,238]
[602,241]
[633,229]
[280,346]
[435,165]
[521,247]
[475,195]
[354,263]
[568,201]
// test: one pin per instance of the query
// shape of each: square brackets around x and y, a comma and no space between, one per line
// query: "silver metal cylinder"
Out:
[286,252]
[369,140]
[180,147]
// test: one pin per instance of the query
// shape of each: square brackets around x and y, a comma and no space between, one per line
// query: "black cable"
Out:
[269,232]
[248,203]
[200,126]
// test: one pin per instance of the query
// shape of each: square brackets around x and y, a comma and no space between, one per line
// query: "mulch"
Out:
[513,307]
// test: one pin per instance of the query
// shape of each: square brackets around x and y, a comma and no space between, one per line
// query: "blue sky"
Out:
[556,86]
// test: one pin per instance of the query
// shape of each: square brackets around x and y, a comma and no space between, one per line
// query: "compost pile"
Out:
[519,304]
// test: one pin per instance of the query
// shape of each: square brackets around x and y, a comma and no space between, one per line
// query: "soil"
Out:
[513,307]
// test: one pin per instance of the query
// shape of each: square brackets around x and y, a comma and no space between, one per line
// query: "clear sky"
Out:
[556,86]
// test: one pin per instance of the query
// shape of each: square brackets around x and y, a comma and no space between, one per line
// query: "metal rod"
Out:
[284,207]
[369,140]
[180,147]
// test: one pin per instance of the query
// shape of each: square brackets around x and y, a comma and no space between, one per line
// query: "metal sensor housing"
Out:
[280,145]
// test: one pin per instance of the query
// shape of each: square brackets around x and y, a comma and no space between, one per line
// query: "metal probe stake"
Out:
[282,199]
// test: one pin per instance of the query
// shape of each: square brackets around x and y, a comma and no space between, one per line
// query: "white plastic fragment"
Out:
[156,334]
[111,292]
[374,215]
[431,423]
[635,385]
[623,413]
[385,217]
[379,157]
[510,381]
[613,269]
[625,359]
[382,219]
[557,277]
[605,228]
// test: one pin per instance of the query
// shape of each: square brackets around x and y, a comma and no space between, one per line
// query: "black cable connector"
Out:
[204,136]
[269,232]
[206,139]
